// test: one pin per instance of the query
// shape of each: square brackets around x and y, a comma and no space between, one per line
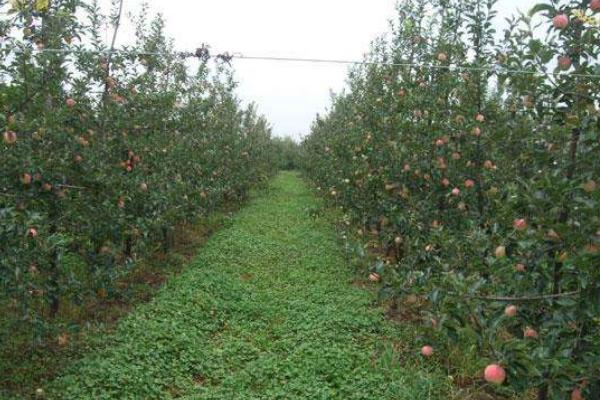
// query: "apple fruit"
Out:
[500,251]
[520,224]
[26,179]
[427,351]
[495,374]
[576,394]
[564,62]
[10,137]
[510,310]
[561,21]
[530,333]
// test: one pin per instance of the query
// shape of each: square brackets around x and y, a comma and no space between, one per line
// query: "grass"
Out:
[87,323]
[267,310]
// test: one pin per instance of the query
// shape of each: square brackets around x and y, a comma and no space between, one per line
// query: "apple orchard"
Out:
[467,160]
[104,154]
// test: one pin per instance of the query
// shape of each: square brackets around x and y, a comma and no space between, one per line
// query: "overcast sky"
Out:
[289,94]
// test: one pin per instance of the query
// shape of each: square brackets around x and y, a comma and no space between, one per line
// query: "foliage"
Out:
[477,186]
[103,154]
[287,152]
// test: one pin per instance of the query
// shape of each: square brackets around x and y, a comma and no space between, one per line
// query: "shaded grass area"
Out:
[268,310]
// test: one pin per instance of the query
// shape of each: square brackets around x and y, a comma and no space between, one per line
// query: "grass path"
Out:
[266,311]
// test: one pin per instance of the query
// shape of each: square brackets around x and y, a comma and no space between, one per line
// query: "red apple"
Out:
[520,224]
[455,192]
[561,21]
[530,333]
[445,182]
[495,374]
[374,277]
[520,267]
[427,351]
[32,232]
[10,137]
[510,311]
[26,179]
[476,131]
[479,118]
[564,62]
[469,183]
[70,103]
[576,394]
[595,5]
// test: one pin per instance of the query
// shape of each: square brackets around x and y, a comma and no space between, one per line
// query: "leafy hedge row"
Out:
[477,186]
[104,154]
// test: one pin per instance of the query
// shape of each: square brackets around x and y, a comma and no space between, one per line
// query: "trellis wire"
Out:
[203,53]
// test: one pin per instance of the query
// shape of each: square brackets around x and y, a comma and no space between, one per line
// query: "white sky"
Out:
[289,94]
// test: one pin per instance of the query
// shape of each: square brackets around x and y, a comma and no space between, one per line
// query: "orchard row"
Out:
[104,154]
[476,187]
